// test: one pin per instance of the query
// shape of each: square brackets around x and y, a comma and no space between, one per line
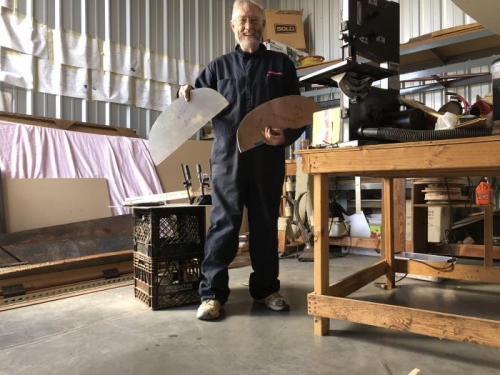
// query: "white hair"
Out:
[238,3]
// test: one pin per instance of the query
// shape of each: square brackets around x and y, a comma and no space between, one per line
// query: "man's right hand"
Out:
[184,92]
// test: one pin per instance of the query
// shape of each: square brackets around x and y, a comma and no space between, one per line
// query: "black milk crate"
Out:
[165,283]
[169,231]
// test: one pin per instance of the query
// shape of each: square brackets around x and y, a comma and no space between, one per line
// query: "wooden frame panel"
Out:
[429,323]
[393,162]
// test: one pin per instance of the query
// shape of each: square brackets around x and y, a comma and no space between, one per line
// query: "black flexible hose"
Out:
[408,135]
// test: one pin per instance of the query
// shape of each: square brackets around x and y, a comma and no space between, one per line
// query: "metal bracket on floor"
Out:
[111,273]
[13,290]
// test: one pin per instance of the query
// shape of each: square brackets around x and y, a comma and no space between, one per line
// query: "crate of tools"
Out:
[168,251]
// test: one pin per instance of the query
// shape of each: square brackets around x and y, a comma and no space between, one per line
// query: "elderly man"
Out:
[247,77]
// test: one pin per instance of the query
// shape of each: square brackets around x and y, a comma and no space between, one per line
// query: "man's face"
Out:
[248,25]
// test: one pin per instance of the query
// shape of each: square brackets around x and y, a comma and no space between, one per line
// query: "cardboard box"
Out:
[326,127]
[409,220]
[375,231]
[438,221]
[293,53]
[285,26]
[375,224]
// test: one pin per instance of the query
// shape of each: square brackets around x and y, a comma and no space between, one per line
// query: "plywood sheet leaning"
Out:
[67,241]
[38,203]
[288,112]
[189,153]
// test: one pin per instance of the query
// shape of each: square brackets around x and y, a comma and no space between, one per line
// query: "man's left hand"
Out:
[273,136]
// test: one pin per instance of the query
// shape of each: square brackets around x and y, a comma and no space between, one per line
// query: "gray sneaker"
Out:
[209,310]
[275,302]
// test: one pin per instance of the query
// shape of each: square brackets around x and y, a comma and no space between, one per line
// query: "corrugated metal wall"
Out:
[196,31]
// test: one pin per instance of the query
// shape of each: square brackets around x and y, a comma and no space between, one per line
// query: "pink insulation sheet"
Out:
[29,151]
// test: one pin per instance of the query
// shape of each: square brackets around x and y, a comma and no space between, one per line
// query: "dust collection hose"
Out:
[408,135]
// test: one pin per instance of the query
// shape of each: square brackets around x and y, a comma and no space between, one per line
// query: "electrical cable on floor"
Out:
[348,249]
[295,255]
[470,194]
[347,230]
[448,234]
[449,237]
[386,368]
[449,231]
[384,285]
[493,184]
[335,194]
[449,267]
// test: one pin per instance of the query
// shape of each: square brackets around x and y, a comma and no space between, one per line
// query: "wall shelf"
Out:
[456,45]
[452,49]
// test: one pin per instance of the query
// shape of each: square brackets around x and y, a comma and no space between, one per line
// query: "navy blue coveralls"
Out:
[253,179]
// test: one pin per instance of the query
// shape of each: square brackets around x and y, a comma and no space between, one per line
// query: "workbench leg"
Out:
[387,248]
[321,247]
[399,215]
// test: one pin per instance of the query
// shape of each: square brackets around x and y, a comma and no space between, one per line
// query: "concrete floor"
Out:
[110,332]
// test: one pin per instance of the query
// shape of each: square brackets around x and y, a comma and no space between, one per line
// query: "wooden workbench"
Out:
[393,163]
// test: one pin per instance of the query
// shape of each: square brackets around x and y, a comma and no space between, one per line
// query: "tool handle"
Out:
[187,173]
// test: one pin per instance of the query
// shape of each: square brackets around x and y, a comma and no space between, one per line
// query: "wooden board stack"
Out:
[443,190]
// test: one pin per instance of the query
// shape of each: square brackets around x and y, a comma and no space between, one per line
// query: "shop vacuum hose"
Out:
[409,135]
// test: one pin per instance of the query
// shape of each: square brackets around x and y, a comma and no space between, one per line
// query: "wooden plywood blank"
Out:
[38,203]
[288,112]
[181,120]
